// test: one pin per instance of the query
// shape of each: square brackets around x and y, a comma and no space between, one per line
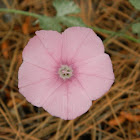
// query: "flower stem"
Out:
[102,30]
[130,38]
[94,28]
[115,34]
[19,12]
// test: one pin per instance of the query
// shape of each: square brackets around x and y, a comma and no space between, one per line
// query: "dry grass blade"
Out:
[114,116]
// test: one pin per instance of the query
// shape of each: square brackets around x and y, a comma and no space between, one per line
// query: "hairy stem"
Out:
[115,34]
[94,28]
[19,12]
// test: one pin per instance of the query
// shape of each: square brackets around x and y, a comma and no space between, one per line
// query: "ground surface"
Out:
[116,116]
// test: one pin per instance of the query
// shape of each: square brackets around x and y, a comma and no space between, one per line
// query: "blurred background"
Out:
[115,116]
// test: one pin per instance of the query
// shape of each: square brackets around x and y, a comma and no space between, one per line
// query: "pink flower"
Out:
[63,73]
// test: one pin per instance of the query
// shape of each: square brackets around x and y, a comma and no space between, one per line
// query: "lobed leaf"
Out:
[65,7]
[136,28]
[135,3]
[72,21]
[49,23]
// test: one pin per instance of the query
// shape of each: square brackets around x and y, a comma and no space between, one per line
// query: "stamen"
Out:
[65,72]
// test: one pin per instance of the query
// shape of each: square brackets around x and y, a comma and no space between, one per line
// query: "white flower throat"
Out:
[65,72]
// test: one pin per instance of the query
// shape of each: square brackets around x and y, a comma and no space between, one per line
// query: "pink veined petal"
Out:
[35,53]
[96,75]
[56,103]
[68,101]
[30,74]
[38,93]
[95,86]
[78,100]
[52,41]
[99,66]
[80,43]
[72,39]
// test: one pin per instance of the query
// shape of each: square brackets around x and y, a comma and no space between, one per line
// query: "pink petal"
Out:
[30,74]
[52,41]
[96,75]
[80,43]
[35,53]
[99,66]
[78,100]
[56,103]
[38,93]
[68,101]
[95,86]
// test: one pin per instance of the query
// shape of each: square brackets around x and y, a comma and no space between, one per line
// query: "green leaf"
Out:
[48,23]
[65,7]
[72,21]
[136,28]
[135,3]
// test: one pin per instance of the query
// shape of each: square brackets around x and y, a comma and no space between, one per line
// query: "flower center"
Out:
[65,72]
